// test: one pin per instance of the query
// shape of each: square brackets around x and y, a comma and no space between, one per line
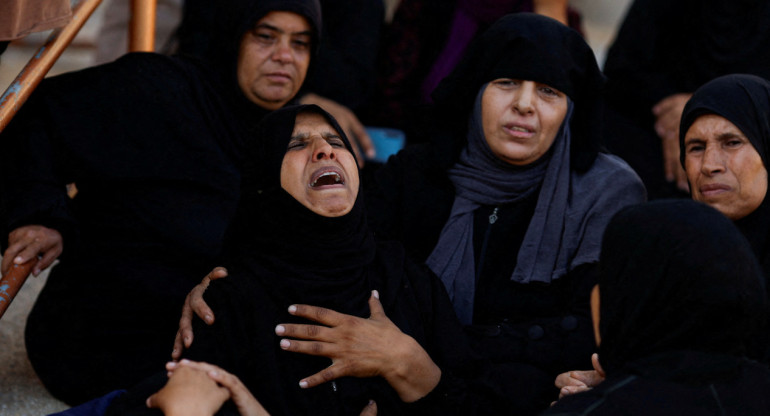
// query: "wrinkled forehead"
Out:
[308,123]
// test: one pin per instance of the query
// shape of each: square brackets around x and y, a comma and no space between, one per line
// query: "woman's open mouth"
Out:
[327,176]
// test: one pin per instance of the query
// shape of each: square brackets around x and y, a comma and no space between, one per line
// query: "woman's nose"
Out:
[713,160]
[322,149]
[524,97]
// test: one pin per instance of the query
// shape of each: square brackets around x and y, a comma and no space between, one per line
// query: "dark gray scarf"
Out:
[555,242]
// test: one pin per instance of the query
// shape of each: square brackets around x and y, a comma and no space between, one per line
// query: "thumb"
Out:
[375,307]
[597,365]
[150,402]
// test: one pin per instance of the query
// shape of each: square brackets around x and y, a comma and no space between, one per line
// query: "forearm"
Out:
[556,9]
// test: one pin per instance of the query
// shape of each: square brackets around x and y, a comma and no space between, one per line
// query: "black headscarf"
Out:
[676,276]
[302,256]
[540,49]
[744,100]
[292,255]
[232,20]
[529,47]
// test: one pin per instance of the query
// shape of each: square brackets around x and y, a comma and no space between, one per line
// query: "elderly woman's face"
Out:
[521,118]
[273,59]
[318,171]
[723,167]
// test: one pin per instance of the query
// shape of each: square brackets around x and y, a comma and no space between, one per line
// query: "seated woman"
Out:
[679,301]
[303,240]
[509,201]
[724,139]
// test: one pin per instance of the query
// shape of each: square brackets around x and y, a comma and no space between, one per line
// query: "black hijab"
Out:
[676,276]
[301,256]
[232,20]
[287,254]
[744,100]
[529,47]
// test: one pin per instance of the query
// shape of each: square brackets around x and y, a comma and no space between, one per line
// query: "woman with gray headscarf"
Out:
[509,202]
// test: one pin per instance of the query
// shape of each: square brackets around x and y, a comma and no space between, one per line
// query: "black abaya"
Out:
[280,254]
[682,303]
[154,145]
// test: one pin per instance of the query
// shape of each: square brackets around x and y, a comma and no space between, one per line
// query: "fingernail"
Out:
[293,309]
[18,260]
[209,318]
[371,153]
[185,361]
[280,330]
[171,364]
[376,294]
[303,384]
[213,373]
[285,343]
[186,339]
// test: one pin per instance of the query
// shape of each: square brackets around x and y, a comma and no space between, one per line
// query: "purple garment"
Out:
[469,16]
[95,407]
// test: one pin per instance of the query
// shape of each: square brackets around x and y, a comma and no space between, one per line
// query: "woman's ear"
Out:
[595,313]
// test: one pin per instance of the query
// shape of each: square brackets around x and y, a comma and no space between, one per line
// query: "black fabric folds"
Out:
[676,276]
[154,145]
[281,253]
[514,47]
[681,303]
[744,100]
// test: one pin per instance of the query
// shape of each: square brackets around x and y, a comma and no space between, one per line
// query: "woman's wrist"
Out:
[414,374]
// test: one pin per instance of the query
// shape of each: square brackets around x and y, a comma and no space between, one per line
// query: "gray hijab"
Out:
[555,242]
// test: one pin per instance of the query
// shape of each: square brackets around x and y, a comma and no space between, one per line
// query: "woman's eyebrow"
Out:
[331,135]
[281,31]
[730,135]
[300,136]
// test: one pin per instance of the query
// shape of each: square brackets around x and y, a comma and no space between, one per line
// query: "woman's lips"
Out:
[715,189]
[328,176]
[520,130]
[279,77]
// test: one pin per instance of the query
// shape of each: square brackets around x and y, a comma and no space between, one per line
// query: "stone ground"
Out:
[21,393]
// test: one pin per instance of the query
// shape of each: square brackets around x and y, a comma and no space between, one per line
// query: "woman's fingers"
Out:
[370,409]
[324,316]
[326,375]
[30,241]
[307,332]
[194,303]
[375,307]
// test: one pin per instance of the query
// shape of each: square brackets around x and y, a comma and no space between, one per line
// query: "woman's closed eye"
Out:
[296,144]
[335,141]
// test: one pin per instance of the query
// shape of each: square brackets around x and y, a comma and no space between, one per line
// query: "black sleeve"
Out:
[35,171]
